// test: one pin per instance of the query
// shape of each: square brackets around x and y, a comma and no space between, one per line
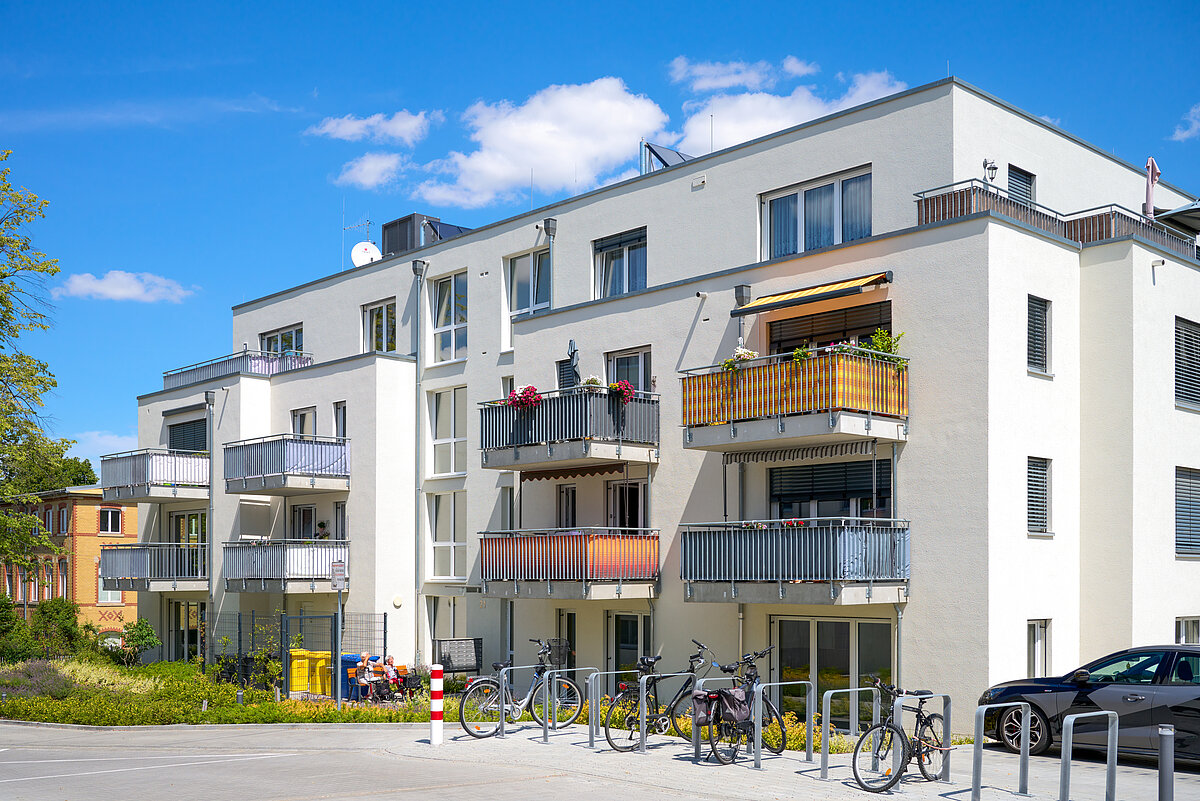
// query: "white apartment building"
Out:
[1014,496]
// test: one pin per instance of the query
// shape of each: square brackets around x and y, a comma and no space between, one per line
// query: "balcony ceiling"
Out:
[285,485]
[567,455]
[154,493]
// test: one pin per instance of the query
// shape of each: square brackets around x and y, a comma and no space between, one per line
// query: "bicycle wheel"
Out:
[682,708]
[568,702]
[621,724]
[725,740]
[931,738]
[479,709]
[880,756]
[770,741]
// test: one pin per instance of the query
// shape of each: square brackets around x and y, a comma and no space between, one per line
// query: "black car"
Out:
[1146,687]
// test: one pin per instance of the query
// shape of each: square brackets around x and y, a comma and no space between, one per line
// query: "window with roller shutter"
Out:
[1187,362]
[1038,347]
[1020,185]
[855,324]
[1038,493]
[1187,511]
[189,436]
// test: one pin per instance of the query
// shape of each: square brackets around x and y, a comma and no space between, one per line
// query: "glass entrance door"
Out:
[627,504]
[185,629]
[630,639]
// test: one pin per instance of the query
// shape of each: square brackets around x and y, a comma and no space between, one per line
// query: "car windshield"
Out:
[1136,668]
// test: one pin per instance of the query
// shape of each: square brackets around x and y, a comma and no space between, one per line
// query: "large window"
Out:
[448,414]
[1038,343]
[528,280]
[1037,477]
[110,521]
[837,489]
[379,327]
[855,324]
[818,215]
[283,340]
[448,522]
[620,263]
[1187,362]
[632,366]
[450,318]
[1187,511]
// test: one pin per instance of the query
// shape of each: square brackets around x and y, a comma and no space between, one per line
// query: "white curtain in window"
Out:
[856,208]
[818,217]
[784,233]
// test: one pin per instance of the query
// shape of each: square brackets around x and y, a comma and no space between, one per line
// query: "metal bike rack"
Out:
[696,729]
[552,698]
[1110,774]
[977,755]
[853,693]
[898,719]
[642,701]
[810,688]
[504,694]
[592,690]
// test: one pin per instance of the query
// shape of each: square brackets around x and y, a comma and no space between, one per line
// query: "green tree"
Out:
[55,625]
[32,462]
[139,638]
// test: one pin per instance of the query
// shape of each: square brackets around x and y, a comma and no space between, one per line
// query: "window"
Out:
[448,522]
[1187,670]
[837,489]
[104,596]
[1187,630]
[1187,511]
[64,520]
[507,385]
[21,584]
[379,327]
[620,263]
[189,436]
[1038,346]
[1038,494]
[304,522]
[110,521]
[632,366]
[8,589]
[1138,668]
[304,421]
[449,416]
[62,578]
[1037,648]
[48,520]
[1187,362]
[508,509]
[528,280]
[855,324]
[450,318]
[339,419]
[1020,185]
[340,531]
[47,581]
[566,374]
[817,216]
[283,340]
[628,504]
[566,506]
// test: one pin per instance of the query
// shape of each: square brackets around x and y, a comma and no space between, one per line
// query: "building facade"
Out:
[79,522]
[996,498]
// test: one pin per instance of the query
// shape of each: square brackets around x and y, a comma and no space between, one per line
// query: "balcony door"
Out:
[629,638]
[185,630]
[304,522]
[190,530]
[628,505]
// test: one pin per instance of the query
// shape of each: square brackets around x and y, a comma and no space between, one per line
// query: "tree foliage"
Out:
[139,638]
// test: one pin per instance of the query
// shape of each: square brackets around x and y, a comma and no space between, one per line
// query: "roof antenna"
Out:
[365,224]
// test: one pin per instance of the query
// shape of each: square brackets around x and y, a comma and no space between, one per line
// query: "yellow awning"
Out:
[812,294]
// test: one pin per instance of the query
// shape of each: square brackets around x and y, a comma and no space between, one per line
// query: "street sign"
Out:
[337,576]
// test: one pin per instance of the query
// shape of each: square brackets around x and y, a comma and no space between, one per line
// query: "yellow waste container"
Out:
[318,673]
[298,670]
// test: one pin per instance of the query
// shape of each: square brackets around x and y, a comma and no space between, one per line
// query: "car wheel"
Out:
[1010,731]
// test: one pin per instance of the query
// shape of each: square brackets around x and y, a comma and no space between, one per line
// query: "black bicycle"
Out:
[479,710]
[731,714]
[622,727]
[883,751]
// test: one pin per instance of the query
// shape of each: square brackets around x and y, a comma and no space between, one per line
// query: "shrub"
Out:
[139,638]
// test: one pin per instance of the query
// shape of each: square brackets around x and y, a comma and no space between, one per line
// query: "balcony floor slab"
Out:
[814,594]
[283,485]
[793,432]
[291,586]
[154,493]
[568,455]
[570,590]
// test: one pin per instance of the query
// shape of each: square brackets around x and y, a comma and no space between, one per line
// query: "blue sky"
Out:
[199,156]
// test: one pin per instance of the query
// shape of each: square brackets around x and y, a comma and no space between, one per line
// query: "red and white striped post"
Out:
[435,704]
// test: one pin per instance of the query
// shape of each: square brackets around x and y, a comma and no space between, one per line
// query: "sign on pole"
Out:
[337,576]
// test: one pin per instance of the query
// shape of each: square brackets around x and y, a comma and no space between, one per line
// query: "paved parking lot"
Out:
[383,761]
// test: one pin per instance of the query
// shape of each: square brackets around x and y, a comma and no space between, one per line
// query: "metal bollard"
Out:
[240,696]
[1166,763]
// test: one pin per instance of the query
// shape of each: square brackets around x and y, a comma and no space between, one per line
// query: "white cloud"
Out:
[1055,121]
[403,126]
[741,117]
[92,445]
[1190,127]
[123,114]
[120,285]
[706,76]
[798,69]
[571,136]
[371,170]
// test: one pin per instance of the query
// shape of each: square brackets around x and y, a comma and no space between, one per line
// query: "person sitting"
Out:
[363,676]
[390,673]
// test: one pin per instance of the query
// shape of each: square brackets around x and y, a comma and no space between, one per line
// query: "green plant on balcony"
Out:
[740,354]
[593,384]
[883,342]
[322,530]
[801,354]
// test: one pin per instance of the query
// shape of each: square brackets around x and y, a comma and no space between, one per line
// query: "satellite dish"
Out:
[364,253]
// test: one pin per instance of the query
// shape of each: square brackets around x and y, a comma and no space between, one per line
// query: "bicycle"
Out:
[480,707]
[873,766]
[731,722]
[622,727]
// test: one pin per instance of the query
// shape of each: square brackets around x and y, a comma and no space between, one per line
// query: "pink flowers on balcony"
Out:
[525,397]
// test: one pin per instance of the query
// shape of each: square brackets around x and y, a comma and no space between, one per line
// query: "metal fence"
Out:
[156,560]
[288,454]
[571,414]
[284,560]
[577,554]
[254,362]
[239,635]
[155,466]
[814,549]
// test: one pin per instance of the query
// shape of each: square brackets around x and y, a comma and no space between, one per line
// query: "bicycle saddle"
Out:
[648,661]
[920,692]
[501,665]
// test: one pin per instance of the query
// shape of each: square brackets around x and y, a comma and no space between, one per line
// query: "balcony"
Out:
[155,475]
[283,565]
[576,563]
[973,196]
[814,561]
[250,362]
[155,567]
[837,394]
[287,464]
[570,428]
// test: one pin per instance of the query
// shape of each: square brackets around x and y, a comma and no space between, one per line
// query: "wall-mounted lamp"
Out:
[550,226]
[990,169]
[419,266]
[210,397]
[1158,263]
[741,294]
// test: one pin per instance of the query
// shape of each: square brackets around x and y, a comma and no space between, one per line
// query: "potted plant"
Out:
[622,391]
[801,354]
[593,384]
[884,343]
[740,354]
[525,397]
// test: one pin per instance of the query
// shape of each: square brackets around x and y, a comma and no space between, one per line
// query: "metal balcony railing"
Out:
[254,362]
[167,561]
[288,454]
[825,549]
[574,554]
[837,378]
[157,466]
[571,414]
[1090,225]
[284,560]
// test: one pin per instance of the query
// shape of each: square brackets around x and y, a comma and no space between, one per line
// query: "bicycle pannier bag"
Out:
[734,706]
[701,712]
